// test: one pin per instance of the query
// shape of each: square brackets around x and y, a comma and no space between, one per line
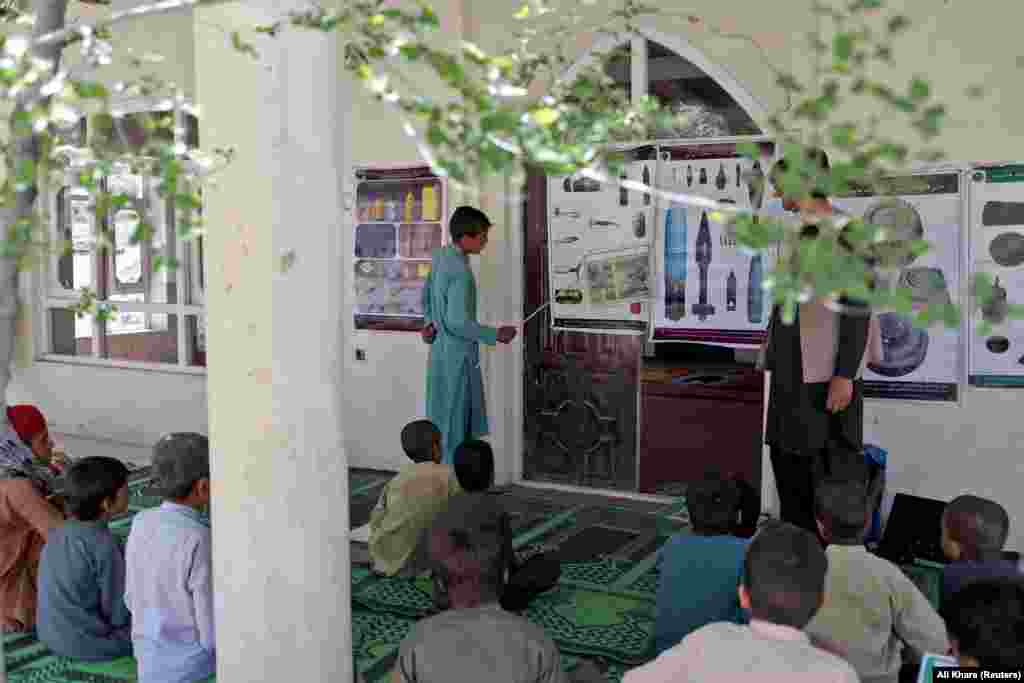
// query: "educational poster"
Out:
[997,247]
[708,289]
[918,364]
[398,225]
[599,237]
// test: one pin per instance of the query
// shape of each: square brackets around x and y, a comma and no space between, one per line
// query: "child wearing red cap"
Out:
[31,427]
[26,517]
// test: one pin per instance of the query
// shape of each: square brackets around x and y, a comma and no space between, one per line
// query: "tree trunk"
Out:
[50,16]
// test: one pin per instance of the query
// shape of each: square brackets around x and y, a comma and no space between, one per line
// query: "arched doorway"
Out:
[581,394]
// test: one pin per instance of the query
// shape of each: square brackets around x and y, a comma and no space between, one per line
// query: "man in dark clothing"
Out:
[816,397]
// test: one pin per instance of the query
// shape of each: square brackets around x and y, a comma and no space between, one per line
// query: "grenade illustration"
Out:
[720,179]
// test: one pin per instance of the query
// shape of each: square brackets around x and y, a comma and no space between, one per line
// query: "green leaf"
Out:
[523,12]
[161,262]
[919,89]
[842,46]
[843,135]
[427,18]
[90,90]
[411,52]
[502,120]
[544,116]
[242,46]
[750,150]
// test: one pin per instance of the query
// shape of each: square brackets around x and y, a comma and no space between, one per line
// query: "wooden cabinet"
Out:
[687,429]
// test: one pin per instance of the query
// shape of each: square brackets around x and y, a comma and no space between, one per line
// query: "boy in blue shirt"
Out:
[701,571]
[82,613]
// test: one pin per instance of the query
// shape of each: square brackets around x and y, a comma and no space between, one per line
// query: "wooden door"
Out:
[581,389]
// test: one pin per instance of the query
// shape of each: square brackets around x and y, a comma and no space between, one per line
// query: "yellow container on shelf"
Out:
[430,208]
[410,204]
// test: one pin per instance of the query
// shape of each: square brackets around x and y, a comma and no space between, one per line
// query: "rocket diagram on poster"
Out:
[997,248]
[707,288]
[599,237]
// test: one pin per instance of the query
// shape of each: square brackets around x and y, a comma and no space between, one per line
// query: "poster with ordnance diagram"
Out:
[599,237]
[707,289]
[917,364]
[997,248]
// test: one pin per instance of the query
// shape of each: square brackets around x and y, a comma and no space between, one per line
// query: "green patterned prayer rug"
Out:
[602,609]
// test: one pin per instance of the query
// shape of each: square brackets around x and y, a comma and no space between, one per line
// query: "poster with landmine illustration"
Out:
[917,364]
[997,248]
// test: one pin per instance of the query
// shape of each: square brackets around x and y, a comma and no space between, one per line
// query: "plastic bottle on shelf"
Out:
[391,208]
[378,208]
[410,204]
[430,203]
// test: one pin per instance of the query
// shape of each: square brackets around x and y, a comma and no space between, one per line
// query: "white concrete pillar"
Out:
[274,301]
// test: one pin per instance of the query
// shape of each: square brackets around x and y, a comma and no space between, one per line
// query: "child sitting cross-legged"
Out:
[82,613]
[783,586]
[701,571]
[974,531]
[169,587]
[871,608]
[409,503]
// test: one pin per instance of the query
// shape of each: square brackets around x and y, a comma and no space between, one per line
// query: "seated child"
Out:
[701,571]
[783,586]
[409,503]
[522,581]
[30,424]
[26,519]
[474,640]
[871,607]
[986,624]
[169,587]
[82,613]
[974,531]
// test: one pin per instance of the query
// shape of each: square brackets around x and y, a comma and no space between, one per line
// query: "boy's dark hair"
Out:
[816,156]
[474,465]
[418,440]
[986,618]
[841,506]
[470,547]
[179,461]
[467,221]
[784,574]
[713,504]
[979,525]
[89,482]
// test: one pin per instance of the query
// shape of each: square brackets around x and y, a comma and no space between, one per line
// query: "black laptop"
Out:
[914,530]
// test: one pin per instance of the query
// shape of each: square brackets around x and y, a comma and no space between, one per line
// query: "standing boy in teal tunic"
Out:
[455,388]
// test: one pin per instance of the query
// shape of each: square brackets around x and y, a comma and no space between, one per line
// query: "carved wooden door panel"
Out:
[581,389]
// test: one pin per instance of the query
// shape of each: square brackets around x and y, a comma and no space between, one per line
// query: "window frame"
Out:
[188,281]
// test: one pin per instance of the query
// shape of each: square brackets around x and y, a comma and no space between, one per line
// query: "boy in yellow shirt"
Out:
[409,503]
